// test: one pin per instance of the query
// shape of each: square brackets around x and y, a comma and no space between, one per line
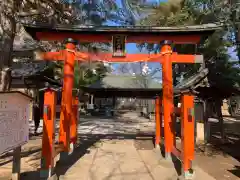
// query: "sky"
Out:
[131,48]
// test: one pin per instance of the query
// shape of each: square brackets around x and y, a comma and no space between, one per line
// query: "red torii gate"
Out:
[183,35]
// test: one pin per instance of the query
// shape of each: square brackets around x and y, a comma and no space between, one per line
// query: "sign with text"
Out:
[119,45]
[14,120]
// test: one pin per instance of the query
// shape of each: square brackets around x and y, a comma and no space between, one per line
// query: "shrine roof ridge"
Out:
[122,29]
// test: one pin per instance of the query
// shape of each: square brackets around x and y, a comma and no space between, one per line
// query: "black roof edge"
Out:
[204,29]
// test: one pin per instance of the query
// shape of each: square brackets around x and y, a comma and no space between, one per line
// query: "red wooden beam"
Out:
[61,36]
[107,57]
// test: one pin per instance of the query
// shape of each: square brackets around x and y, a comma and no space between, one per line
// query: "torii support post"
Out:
[187,134]
[167,98]
[66,104]
[47,161]
[74,121]
[157,121]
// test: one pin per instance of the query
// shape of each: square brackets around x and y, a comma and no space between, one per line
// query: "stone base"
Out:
[63,157]
[71,148]
[157,147]
[189,175]
[46,174]
[168,156]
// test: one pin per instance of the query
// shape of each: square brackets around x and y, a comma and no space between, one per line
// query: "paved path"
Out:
[122,160]
[129,124]
[103,155]
[112,158]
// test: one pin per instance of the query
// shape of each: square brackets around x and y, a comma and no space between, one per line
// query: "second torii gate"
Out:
[119,36]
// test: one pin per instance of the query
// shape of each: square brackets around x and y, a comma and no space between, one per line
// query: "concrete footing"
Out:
[63,157]
[168,156]
[189,175]
[46,173]
[157,147]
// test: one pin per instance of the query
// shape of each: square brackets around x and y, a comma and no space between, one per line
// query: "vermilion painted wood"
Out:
[107,57]
[61,36]
[66,105]
[157,121]
[187,129]
[74,121]
[48,129]
[167,98]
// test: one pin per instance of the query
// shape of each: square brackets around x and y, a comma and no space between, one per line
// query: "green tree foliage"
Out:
[85,76]
[15,12]
[89,76]
[223,73]
[84,73]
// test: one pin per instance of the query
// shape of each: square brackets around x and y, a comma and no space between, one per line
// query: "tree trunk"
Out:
[5,80]
[7,34]
[6,62]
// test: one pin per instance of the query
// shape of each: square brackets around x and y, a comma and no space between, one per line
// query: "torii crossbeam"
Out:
[167,35]
[129,58]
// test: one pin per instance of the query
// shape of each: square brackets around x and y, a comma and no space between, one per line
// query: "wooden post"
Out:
[74,121]
[187,136]
[167,97]
[158,123]
[49,114]
[66,104]
[16,167]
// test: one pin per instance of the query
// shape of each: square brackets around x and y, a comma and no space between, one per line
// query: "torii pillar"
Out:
[66,104]
[168,105]
[158,122]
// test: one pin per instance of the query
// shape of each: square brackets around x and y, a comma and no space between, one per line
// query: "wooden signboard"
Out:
[14,119]
[119,45]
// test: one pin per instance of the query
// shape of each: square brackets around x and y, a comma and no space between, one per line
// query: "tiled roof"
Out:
[20,69]
[24,42]
[124,29]
[138,82]
[125,82]
[194,80]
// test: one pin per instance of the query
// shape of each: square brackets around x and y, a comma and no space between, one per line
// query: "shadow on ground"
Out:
[87,141]
[176,161]
[231,145]
[236,171]
[227,148]
[7,158]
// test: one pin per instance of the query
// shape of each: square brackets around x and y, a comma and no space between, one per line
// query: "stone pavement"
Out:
[111,158]
[129,123]
[122,160]
[103,155]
